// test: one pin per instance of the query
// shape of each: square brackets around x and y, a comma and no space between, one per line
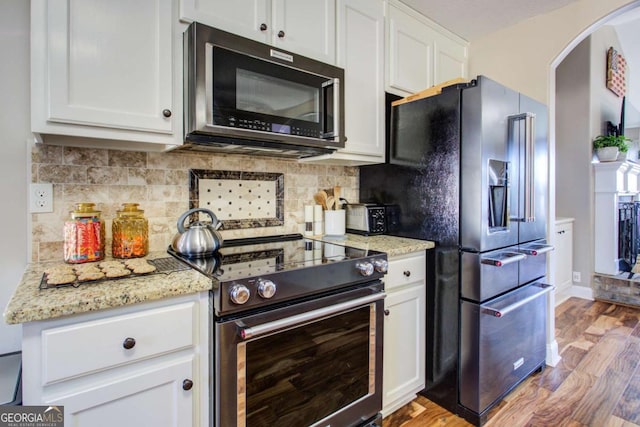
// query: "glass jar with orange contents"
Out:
[130,232]
[84,235]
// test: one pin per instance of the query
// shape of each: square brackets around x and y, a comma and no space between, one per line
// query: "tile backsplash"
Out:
[159,182]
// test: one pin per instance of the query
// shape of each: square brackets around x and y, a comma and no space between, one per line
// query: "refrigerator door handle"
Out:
[528,162]
[495,312]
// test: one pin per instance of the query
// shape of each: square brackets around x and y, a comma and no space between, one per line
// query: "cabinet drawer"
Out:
[82,348]
[405,270]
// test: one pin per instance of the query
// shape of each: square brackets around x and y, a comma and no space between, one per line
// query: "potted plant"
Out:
[608,146]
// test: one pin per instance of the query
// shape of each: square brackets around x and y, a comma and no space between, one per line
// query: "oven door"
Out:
[315,363]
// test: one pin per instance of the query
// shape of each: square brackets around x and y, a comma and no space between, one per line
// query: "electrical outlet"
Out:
[576,277]
[41,197]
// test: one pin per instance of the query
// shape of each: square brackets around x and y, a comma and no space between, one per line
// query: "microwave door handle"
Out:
[528,163]
[333,85]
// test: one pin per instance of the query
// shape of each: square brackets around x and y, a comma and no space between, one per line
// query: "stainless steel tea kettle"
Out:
[200,239]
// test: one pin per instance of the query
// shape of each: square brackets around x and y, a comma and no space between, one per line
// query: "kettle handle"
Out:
[214,218]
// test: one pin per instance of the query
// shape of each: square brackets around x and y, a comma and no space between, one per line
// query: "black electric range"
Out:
[256,273]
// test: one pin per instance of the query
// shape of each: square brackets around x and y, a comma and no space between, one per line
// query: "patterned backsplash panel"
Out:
[239,199]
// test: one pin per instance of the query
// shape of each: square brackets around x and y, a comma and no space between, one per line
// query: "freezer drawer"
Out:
[486,275]
[534,266]
[501,342]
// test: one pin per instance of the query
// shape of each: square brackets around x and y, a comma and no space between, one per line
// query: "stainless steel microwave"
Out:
[247,97]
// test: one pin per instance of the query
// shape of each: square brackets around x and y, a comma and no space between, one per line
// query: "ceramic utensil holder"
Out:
[334,222]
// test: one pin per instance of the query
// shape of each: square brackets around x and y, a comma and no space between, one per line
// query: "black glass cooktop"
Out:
[242,258]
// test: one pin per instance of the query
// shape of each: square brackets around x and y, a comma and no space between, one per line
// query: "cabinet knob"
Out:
[187,384]
[387,312]
[407,273]
[281,34]
[263,27]
[129,343]
[166,112]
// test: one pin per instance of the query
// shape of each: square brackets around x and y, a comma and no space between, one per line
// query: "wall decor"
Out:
[239,199]
[616,68]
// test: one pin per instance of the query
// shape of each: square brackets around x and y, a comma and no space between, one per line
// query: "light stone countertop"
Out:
[29,303]
[392,245]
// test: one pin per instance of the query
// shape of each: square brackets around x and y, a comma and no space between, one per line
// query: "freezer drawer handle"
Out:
[266,328]
[502,262]
[529,162]
[508,309]
[538,251]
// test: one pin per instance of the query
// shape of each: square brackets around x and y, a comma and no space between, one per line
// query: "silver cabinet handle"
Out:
[529,163]
[501,262]
[545,289]
[266,328]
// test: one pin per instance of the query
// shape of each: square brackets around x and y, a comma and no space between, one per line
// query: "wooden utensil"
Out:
[330,202]
[321,198]
[337,190]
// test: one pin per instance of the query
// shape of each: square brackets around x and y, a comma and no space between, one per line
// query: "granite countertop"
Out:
[29,303]
[392,245]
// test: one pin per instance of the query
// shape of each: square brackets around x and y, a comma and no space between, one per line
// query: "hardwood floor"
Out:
[597,382]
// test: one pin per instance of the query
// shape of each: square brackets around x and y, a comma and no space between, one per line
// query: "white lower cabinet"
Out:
[564,258]
[145,364]
[404,331]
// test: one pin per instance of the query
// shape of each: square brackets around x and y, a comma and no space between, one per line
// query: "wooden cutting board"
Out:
[433,90]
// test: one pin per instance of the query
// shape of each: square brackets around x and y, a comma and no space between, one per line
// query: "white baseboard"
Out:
[581,292]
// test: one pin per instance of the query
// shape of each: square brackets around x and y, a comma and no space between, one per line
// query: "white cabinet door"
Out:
[306,27]
[410,53]
[450,60]
[247,18]
[110,63]
[404,331]
[154,397]
[361,54]
[360,48]
[404,341]
[564,258]
[420,53]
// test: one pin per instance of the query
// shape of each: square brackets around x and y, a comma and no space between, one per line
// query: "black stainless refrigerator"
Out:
[468,169]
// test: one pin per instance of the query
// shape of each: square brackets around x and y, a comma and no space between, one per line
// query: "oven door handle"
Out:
[266,328]
[545,289]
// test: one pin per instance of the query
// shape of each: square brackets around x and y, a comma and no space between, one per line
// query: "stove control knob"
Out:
[239,294]
[381,265]
[266,288]
[365,268]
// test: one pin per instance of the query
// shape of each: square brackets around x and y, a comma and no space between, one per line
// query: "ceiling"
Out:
[472,20]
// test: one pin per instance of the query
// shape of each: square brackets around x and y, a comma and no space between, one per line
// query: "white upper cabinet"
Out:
[105,69]
[306,27]
[360,37]
[420,54]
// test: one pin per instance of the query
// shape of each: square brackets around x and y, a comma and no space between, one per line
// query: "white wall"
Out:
[14,131]
[520,56]
[574,193]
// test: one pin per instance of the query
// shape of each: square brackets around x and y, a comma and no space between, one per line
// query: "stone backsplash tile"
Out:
[159,182]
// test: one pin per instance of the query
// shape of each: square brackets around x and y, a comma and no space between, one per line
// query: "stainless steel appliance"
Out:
[468,170]
[297,332]
[366,218]
[246,97]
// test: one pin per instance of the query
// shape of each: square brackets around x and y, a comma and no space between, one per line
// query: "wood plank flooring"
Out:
[596,384]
